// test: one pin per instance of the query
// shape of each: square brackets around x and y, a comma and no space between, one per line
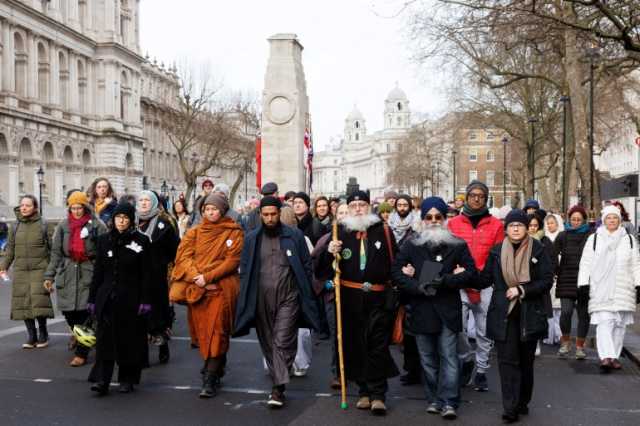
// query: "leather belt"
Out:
[366,287]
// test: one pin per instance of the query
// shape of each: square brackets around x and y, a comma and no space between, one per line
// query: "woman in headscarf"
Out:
[553,225]
[208,257]
[519,269]
[73,252]
[28,250]
[120,298]
[103,199]
[568,246]
[609,276]
[164,244]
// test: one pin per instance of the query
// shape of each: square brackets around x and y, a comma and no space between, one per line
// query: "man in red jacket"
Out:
[481,231]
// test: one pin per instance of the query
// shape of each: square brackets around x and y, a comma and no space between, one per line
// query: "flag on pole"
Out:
[259,161]
[308,148]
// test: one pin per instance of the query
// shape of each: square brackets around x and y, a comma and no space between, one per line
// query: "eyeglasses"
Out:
[516,225]
[431,218]
[477,196]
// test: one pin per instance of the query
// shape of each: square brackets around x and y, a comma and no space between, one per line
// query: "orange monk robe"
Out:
[212,249]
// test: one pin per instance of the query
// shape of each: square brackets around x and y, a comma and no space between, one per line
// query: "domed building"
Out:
[360,154]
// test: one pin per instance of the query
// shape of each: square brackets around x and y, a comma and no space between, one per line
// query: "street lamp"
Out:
[564,100]
[164,188]
[40,174]
[505,141]
[531,154]
[592,55]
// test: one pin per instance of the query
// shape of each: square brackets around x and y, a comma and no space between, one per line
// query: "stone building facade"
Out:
[77,99]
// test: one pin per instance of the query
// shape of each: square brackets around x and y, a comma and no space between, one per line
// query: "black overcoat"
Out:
[292,242]
[533,315]
[428,314]
[568,245]
[121,283]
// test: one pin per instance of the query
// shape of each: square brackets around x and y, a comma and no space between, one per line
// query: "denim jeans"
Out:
[439,359]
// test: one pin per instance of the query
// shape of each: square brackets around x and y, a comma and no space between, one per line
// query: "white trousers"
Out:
[303,354]
[610,338]
[483,344]
[554,329]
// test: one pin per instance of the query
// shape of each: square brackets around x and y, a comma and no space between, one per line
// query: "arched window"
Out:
[68,155]
[357,125]
[491,156]
[63,77]
[4,147]
[20,64]
[25,149]
[399,106]
[47,152]
[86,158]
[43,73]
[82,87]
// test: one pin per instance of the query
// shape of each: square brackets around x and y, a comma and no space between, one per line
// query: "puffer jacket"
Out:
[480,239]
[568,245]
[28,252]
[627,275]
[73,279]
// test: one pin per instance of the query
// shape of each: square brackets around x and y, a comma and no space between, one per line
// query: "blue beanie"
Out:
[532,204]
[432,202]
[516,215]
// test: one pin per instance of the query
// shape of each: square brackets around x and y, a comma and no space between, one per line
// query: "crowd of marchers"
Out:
[448,282]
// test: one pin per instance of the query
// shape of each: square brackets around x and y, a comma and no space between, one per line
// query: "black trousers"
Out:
[374,389]
[411,356]
[77,318]
[515,364]
[102,372]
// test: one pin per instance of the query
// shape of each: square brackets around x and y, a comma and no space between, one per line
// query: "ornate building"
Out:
[77,99]
[360,154]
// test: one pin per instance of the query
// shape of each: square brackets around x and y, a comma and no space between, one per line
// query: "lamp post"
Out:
[564,100]
[453,154]
[531,154]
[505,141]
[164,187]
[592,55]
[40,174]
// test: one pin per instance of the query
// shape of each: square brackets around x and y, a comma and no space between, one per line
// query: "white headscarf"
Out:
[552,235]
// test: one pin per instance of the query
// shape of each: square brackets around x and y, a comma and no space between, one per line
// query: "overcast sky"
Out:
[354,53]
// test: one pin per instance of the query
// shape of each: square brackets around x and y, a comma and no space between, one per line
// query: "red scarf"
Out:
[76,244]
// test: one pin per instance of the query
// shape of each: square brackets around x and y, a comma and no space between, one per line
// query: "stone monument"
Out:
[285,114]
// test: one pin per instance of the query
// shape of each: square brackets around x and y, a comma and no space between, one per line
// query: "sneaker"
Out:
[449,413]
[299,372]
[538,350]
[565,348]
[580,353]
[378,407]
[467,373]
[480,383]
[364,403]
[29,344]
[433,408]
[276,399]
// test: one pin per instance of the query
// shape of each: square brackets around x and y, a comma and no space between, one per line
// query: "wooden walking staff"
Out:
[336,283]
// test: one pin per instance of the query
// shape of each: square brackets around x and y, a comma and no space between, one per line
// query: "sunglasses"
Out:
[433,217]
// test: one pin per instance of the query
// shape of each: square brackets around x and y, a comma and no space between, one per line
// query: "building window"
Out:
[472,136]
[473,175]
[473,155]
[490,201]
[491,156]
[491,178]
[399,106]
[357,124]
[357,136]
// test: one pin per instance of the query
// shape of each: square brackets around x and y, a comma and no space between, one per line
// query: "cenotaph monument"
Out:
[285,115]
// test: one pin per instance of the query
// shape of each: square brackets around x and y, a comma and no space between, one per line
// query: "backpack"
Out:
[45,233]
[595,237]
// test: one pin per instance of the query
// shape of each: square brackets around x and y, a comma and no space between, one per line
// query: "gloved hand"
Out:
[431,288]
[583,292]
[144,309]
[91,308]
[328,285]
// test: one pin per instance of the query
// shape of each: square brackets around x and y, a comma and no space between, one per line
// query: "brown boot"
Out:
[580,353]
[565,346]
[364,403]
[77,361]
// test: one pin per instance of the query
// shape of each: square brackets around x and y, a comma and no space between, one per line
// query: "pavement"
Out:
[38,388]
[632,340]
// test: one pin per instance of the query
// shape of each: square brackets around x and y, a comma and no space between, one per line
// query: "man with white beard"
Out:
[366,247]
[434,308]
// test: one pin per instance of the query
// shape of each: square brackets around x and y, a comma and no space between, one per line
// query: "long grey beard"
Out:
[433,235]
[360,223]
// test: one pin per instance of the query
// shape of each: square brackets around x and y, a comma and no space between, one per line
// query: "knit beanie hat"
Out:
[78,197]
[516,215]
[304,197]
[578,209]
[359,195]
[222,188]
[433,202]
[207,182]
[127,209]
[476,184]
[611,210]
[270,200]
[390,194]
[217,200]
[531,204]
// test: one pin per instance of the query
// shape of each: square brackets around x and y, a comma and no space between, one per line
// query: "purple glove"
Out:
[91,308]
[144,309]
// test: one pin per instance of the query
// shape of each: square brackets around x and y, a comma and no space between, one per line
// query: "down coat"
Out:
[28,252]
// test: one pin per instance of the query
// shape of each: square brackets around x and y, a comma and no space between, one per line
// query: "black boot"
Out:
[43,334]
[32,334]
[163,353]
[209,383]
[101,388]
